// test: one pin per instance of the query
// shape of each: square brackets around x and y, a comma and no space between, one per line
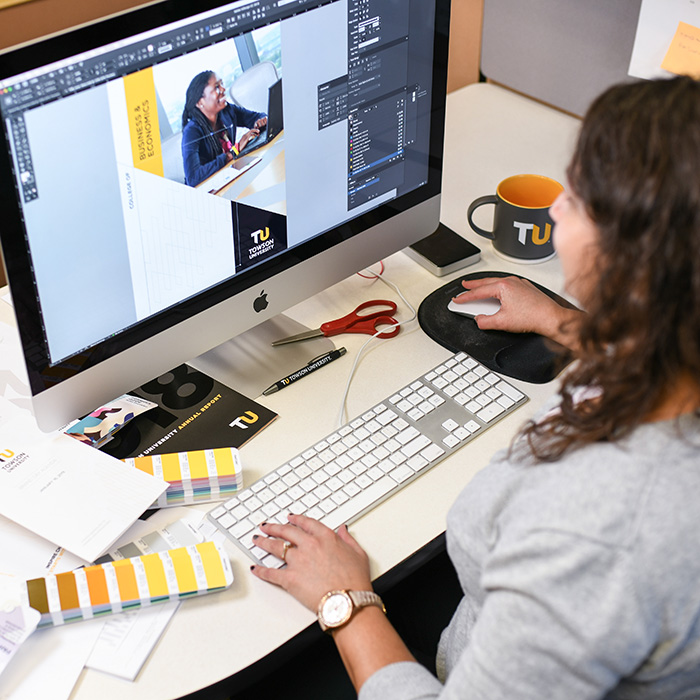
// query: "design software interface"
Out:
[96,144]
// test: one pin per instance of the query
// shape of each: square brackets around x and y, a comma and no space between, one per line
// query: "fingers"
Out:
[488,287]
[476,283]
[299,526]
[309,525]
[300,530]
[486,291]
[492,322]
[276,546]
[290,533]
[274,576]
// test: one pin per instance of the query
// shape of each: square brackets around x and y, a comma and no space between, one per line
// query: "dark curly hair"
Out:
[194,93]
[636,168]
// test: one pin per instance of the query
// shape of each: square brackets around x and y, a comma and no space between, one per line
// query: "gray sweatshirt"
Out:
[581,578]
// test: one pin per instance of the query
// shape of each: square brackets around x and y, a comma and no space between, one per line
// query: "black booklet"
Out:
[194,412]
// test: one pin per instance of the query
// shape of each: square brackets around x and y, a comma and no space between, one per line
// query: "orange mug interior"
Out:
[529,191]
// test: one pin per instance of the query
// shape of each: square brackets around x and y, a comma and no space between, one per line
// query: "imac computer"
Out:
[134,235]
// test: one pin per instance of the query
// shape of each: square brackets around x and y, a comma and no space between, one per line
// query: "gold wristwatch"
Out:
[337,607]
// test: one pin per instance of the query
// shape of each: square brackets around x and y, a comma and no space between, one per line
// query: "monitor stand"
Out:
[249,364]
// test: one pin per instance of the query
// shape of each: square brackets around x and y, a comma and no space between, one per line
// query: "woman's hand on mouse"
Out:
[318,559]
[524,309]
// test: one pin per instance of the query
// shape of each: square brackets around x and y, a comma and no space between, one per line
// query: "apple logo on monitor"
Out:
[260,303]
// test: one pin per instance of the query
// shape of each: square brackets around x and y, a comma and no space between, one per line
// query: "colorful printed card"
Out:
[97,428]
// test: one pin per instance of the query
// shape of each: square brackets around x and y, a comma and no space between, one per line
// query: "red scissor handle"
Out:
[356,322]
[370,326]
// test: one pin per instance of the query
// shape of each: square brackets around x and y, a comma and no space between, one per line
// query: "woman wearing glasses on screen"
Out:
[577,548]
[209,125]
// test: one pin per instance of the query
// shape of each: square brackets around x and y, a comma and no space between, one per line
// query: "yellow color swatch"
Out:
[225,465]
[126,580]
[155,574]
[683,55]
[184,570]
[197,460]
[145,464]
[213,569]
[142,112]
[170,464]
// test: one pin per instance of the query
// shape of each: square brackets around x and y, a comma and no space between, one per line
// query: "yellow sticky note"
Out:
[683,55]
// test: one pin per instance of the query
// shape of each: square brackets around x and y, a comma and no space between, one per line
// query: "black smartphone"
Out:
[444,251]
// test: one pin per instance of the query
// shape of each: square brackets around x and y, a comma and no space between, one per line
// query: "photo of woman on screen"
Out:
[209,124]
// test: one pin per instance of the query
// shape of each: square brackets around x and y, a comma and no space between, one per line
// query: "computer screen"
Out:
[140,227]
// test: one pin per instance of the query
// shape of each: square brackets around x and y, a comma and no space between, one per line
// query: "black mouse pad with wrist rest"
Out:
[526,356]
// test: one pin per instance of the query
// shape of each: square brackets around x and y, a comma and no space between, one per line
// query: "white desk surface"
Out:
[490,134]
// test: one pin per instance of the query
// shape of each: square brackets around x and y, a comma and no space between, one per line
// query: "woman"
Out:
[209,128]
[577,548]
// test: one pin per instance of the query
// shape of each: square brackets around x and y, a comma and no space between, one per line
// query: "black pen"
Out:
[313,365]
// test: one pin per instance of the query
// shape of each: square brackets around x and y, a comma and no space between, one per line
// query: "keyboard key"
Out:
[510,391]
[316,513]
[363,481]
[349,511]
[415,446]
[461,433]
[242,528]
[505,401]
[401,473]
[432,452]
[450,441]
[352,489]
[417,463]
[405,436]
[226,520]
[491,411]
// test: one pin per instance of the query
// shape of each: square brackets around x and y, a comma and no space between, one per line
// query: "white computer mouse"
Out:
[479,307]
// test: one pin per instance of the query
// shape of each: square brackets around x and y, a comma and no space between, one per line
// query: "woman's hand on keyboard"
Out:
[319,560]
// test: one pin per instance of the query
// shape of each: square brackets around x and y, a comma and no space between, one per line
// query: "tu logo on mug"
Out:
[537,238]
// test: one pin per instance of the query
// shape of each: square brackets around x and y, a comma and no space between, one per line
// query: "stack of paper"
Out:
[67,492]
[197,476]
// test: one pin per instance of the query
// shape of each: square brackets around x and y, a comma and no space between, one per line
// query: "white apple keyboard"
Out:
[355,468]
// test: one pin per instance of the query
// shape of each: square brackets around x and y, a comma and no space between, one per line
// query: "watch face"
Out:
[336,609]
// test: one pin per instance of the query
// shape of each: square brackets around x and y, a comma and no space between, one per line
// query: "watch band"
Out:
[362,599]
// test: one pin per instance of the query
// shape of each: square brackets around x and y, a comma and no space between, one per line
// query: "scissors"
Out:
[355,322]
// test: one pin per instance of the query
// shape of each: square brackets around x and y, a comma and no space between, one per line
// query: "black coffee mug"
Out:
[522,227]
